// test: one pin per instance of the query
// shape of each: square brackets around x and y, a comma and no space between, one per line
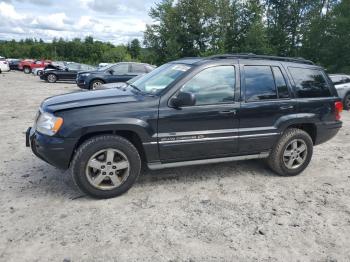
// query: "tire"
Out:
[51,78]
[278,160]
[27,70]
[347,102]
[95,84]
[91,153]
[39,72]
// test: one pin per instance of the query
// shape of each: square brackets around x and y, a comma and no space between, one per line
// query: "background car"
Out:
[342,84]
[54,65]
[68,73]
[28,65]
[4,65]
[120,84]
[13,63]
[120,72]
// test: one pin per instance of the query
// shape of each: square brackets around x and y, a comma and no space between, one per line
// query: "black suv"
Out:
[188,112]
[120,72]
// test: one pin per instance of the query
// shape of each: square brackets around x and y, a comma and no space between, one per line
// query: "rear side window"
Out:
[259,83]
[138,68]
[309,82]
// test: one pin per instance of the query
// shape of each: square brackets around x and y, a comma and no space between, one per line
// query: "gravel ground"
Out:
[237,211]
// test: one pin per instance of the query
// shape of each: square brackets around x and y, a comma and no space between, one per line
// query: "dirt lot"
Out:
[226,212]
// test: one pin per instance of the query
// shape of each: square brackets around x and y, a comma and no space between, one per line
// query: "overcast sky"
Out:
[116,21]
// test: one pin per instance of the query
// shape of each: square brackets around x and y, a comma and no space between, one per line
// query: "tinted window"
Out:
[309,82]
[346,80]
[121,69]
[259,83]
[138,68]
[281,84]
[73,66]
[213,85]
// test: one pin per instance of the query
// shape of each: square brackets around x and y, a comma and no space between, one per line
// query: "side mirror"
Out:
[183,99]
[67,69]
[111,71]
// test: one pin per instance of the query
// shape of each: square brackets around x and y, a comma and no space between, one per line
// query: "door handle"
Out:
[286,107]
[233,111]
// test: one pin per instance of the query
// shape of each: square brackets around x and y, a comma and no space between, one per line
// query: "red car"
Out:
[28,65]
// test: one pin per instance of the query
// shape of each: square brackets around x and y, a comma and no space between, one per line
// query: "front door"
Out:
[119,73]
[209,129]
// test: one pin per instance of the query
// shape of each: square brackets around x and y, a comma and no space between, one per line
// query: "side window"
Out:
[121,69]
[346,80]
[214,85]
[309,82]
[337,80]
[138,68]
[259,83]
[281,84]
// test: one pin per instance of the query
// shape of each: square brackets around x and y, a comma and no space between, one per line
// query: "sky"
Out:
[115,21]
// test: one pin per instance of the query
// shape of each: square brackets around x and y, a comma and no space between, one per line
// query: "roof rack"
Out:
[265,57]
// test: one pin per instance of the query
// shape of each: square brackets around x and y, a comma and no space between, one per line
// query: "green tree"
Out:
[134,48]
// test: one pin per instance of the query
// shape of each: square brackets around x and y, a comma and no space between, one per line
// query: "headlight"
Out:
[48,124]
[85,74]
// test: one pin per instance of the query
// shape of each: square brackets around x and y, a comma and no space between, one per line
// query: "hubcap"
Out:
[107,169]
[96,84]
[295,154]
[51,78]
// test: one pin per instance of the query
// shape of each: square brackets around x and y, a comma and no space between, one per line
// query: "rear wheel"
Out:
[292,154]
[51,78]
[95,84]
[27,70]
[347,102]
[106,166]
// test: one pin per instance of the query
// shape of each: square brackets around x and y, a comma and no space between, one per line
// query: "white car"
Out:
[4,65]
[37,71]
[342,84]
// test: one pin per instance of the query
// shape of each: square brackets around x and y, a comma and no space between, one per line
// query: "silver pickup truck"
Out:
[342,84]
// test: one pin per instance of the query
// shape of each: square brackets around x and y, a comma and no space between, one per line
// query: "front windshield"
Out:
[157,80]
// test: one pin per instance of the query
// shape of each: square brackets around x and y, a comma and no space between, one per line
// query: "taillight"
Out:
[338,109]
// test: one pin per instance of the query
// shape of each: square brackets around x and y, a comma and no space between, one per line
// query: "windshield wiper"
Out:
[135,87]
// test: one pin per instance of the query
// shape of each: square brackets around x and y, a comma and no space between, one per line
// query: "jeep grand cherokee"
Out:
[189,112]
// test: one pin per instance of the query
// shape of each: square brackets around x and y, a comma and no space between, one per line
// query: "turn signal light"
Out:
[338,109]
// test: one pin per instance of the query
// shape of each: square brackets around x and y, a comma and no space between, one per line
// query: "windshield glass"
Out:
[157,80]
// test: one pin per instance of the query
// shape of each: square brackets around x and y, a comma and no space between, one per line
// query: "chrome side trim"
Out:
[198,139]
[208,139]
[157,166]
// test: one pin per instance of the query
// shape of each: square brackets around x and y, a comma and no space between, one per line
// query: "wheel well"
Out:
[131,136]
[99,79]
[308,128]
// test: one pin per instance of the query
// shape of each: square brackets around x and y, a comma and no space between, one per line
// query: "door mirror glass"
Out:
[183,99]
[111,71]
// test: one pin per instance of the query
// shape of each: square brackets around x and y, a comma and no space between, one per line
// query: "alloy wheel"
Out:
[107,169]
[295,154]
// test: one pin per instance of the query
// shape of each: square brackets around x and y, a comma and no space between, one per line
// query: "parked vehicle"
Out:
[120,72]
[68,73]
[190,112]
[53,66]
[28,65]
[342,84]
[104,65]
[13,63]
[120,84]
[4,65]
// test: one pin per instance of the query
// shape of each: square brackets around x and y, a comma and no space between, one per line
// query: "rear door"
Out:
[266,100]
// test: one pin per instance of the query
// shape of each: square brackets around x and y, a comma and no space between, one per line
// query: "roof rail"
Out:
[265,57]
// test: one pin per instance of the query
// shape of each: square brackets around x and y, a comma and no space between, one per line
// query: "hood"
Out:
[90,98]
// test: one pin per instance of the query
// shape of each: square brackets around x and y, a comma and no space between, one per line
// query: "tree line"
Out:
[86,51]
[314,29]
[318,30]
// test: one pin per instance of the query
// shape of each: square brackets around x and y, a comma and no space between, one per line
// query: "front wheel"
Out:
[106,166]
[292,154]
[51,78]
[27,70]
[95,84]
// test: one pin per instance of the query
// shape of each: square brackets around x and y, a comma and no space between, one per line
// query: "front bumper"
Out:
[81,82]
[53,150]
